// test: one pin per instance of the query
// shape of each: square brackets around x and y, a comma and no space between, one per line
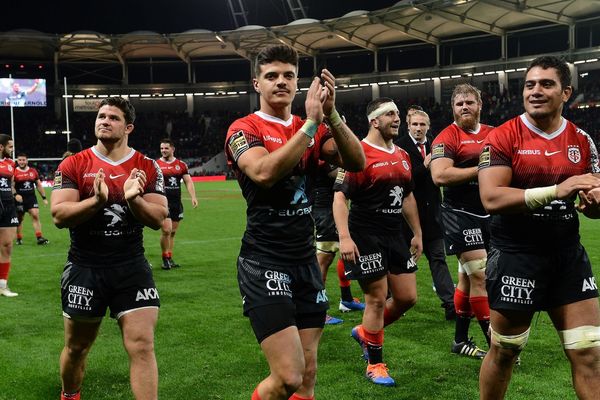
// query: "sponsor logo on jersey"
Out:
[270,138]
[116,212]
[381,164]
[574,154]
[551,153]
[89,175]
[57,180]
[111,176]
[147,294]
[437,150]
[484,157]
[3,183]
[516,290]
[396,193]
[172,181]
[370,263]
[79,297]
[237,144]
[529,152]
[589,284]
[278,283]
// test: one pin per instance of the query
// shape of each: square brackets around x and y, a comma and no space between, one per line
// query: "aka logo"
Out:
[517,290]
[589,284]
[147,294]
[172,181]
[322,297]
[14,220]
[396,193]
[116,212]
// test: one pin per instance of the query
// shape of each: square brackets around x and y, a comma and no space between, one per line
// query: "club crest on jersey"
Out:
[177,168]
[573,153]
[405,165]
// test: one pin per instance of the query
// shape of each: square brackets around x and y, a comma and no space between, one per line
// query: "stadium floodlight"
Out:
[134,95]
[455,76]
[444,77]
[79,96]
[210,93]
[353,85]
[414,80]
[478,74]
[50,132]
[521,69]
[392,82]
[67,96]
[578,62]
[168,95]
[510,70]
[591,60]
[490,72]
[243,92]
[102,95]
[232,93]
[382,83]
[146,95]
[179,94]
[425,79]
[199,94]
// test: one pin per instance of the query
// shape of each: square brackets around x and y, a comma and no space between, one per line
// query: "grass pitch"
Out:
[205,347]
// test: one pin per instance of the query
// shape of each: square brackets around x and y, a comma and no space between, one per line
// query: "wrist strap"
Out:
[334,118]
[309,128]
[540,196]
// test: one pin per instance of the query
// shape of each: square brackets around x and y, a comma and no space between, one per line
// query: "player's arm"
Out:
[344,149]
[18,197]
[444,173]
[266,169]
[41,191]
[69,211]
[348,249]
[189,185]
[34,87]
[410,212]
[148,208]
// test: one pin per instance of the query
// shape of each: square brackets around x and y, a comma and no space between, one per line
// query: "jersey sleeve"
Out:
[443,145]
[594,162]
[497,149]
[65,176]
[345,182]
[241,136]
[184,168]
[155,181]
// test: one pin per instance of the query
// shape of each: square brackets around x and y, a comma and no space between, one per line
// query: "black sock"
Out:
[375,353]
[346,293]
[461,333]
[485,327]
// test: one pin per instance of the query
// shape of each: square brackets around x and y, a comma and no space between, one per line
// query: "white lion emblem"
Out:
[116,212]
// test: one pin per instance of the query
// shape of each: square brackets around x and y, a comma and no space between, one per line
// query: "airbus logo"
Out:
[551,153]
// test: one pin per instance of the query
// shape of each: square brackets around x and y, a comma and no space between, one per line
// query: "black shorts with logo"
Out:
[175,210]
[8,215]
[88,292]
[464,231]
[29,202]
[379,254]
[528,281]
[265,284]
[325,225]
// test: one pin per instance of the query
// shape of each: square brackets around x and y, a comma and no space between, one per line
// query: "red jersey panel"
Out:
[7,171]
[279,228]
[112,237]
[377,193]
[173,172]
[463,147]
[25,180]
[539,159]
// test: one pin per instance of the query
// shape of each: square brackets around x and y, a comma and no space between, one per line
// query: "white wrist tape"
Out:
[540,196]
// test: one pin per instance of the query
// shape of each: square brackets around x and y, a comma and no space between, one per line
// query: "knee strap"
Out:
[470,267]
[514,342]
[582,337]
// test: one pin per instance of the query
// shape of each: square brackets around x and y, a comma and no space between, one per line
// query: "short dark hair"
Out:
[414,107]
[21,155]
[74,145]
[4,139]
[167,141]
[123,105]
[374,104]
[281,53]
[558,63]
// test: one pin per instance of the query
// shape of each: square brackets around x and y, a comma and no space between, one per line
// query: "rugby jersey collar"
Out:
[276,120]
[384,149]
[475,132]
[108,160]
[540,132]
[168,162]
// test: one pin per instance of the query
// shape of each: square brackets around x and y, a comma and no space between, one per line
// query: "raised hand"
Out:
[328,95]
[313,105]
[100,187]
[134,185]
[574,184]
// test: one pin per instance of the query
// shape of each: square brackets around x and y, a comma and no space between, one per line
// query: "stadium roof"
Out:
[406,22]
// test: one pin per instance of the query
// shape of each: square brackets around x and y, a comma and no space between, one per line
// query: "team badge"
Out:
[405,165]
[437,150]
[177,167]
[574,154]
[238,144]
[484,157]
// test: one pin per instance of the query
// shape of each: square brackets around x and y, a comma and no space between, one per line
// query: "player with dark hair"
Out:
[372,244]
[174,171]
[530,171]
[417,143]
[8,212]
[454,156]
[27,180]
[275,155]
[105,195]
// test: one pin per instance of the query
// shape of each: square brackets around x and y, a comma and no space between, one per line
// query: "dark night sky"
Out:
[170,16]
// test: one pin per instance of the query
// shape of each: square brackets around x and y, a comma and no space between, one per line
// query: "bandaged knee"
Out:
[513,342]
[582,337]
[470,267]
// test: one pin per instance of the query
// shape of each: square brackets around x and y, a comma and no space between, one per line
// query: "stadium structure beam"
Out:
[407,30]
[236,46]
[350,37]
[299,47]
[466,20]
[522,7]
[186,59]
[238,14]
[297,9]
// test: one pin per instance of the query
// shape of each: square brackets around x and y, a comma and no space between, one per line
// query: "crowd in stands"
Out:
[200,137]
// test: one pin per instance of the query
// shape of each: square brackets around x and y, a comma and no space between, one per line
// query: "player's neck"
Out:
[168,159]
[374,137]
[283,113]
[548,124]
[113,151]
